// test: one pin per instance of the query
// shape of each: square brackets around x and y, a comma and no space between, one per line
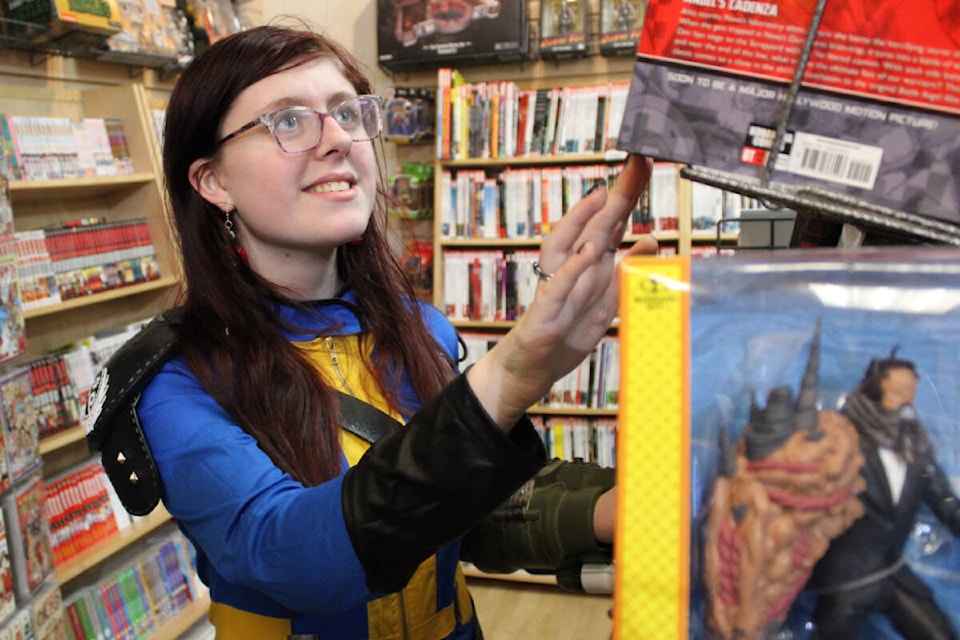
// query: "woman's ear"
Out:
[206,182]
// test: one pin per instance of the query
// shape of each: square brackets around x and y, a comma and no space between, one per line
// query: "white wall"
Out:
[352,22]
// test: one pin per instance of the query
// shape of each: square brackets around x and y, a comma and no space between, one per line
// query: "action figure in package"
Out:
[620,25]
[563,28]
[813,492]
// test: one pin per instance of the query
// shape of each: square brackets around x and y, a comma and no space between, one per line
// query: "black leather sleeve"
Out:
[941,498]
[429,483]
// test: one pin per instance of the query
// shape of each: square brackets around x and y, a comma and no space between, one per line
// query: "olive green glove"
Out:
[546,526]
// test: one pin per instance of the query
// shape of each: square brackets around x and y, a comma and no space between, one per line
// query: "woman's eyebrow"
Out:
[332,100]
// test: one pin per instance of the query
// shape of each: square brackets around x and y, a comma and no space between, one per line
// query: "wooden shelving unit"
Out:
[99,92]
[186,618]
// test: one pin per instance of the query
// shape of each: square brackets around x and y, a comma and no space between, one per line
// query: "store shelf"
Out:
[103,296]
[62,440]
[488,243]
[572,411]
[186,618]
[139,529]
[22,191]
[470,571]
[484,325]
[535,161]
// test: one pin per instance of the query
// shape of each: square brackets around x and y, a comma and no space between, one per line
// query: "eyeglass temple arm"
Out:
[246,127]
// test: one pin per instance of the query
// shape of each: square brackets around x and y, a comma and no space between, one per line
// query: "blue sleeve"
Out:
[257,526]
[443,332]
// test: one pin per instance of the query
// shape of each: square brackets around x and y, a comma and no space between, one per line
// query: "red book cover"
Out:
[76,625]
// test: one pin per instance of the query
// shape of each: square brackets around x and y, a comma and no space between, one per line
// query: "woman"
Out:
[293,299]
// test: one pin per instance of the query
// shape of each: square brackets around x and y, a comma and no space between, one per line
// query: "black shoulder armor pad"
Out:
[110,416]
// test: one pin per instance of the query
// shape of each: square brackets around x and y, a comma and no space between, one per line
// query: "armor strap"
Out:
[113,426]
[110,416]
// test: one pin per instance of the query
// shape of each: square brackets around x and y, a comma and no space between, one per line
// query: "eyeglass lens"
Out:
[299,129]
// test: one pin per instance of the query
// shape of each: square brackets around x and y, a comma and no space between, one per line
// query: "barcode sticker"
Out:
[835,160]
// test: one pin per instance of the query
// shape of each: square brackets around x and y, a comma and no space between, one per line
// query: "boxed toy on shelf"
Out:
[620,22]
[789,446]
[563,29]
[409,114]
[424,34]
[873,114]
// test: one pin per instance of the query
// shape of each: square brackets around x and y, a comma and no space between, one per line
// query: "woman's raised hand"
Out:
[576,299]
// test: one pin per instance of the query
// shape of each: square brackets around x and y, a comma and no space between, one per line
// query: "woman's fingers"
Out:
[564,238]
[599,217]
[606,227]
[644,246]
[633,179]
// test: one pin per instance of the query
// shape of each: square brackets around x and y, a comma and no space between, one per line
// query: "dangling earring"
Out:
[237,249]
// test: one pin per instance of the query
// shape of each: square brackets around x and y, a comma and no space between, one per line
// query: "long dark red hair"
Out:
[232,337]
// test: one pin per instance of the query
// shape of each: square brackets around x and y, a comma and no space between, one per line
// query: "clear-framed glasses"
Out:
[300,129]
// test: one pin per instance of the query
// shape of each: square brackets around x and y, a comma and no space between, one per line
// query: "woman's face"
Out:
[290,209]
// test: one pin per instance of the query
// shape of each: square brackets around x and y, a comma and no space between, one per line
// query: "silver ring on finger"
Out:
[538,271]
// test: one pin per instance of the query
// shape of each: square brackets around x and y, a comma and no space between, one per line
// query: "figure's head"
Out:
[890,382]
[220,157]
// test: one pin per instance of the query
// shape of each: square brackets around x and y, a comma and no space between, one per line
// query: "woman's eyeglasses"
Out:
[300,129]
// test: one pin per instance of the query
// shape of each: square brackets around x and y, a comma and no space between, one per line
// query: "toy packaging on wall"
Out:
[563,29]
[68,24]
[620,22]
[423,34]
[411,188]
[410,114]
[789,446]
[876,118]
[149,30]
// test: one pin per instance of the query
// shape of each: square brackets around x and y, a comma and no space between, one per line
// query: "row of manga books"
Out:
[82,509]
[501,120]
[43,396]
[83,257]
[578,439]
[593,384]
[137,598]
[517,202]
[525,202]
[47,148]
[127,604]
[488,285]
